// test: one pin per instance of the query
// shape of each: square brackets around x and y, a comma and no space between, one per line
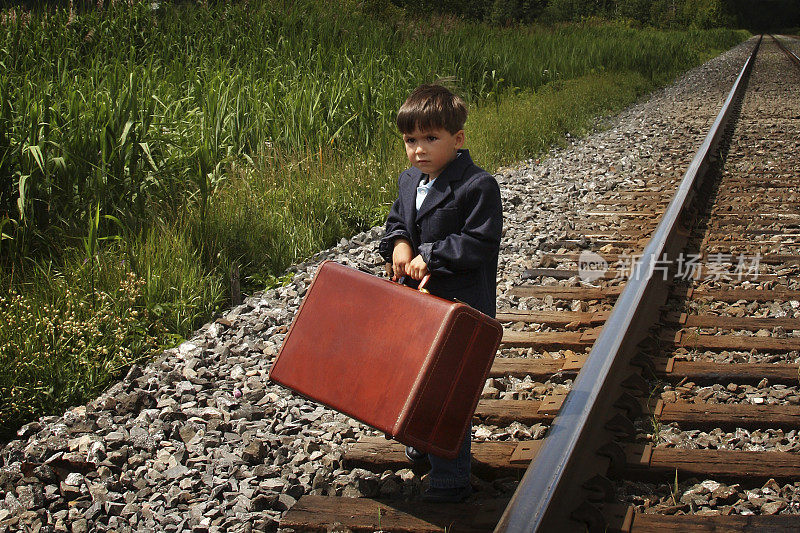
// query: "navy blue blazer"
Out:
[457,231]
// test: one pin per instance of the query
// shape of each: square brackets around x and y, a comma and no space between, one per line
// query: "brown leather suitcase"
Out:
[410,364]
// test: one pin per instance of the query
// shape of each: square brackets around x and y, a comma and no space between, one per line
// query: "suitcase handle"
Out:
[421,286]
[422,283]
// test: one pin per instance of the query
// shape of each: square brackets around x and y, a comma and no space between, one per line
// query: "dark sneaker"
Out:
[414,455]
[454,495]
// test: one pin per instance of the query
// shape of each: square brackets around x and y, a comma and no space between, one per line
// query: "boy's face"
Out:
[432,150]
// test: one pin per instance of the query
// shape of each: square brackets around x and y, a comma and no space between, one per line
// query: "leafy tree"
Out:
[705,14]
[664,13]
[508,11]
[638,10]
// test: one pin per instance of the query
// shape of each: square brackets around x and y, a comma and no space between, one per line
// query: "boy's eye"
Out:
[431,138]
[411,140]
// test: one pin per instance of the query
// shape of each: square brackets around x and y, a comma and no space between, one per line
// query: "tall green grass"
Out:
[194,139]
[141,111]
[529,122]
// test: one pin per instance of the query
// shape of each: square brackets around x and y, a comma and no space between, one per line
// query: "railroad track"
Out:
[640,346]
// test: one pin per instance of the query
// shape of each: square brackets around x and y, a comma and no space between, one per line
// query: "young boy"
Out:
[446,221]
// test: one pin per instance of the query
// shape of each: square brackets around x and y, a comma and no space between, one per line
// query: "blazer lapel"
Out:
[441,187]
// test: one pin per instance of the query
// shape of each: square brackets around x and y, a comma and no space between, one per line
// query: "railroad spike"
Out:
[637,384]
[644,362]
[600,489]
[628,403]
[621,425]
[616,455]
[590,515]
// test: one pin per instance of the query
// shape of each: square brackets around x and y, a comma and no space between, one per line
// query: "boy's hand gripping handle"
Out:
[422,283]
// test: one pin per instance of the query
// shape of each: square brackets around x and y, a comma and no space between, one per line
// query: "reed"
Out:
[142,111]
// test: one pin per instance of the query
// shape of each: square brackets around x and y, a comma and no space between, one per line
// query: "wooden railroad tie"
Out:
[734,295]
[538,369]
[576,319]
[566,293]
[645,213]
[643,523]
[670,369]
[611,258]
[492,459]
[649,462]
[555,318]
[611,293]
[733,204]
[750,247]
[693,340]
[702,415]
[550,339]
[504,412]
[322,513]
[567,273]
[729,322]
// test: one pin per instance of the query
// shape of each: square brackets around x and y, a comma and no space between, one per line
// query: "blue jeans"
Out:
[452,473]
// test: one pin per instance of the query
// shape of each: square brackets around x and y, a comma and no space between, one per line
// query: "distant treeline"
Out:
[756,15]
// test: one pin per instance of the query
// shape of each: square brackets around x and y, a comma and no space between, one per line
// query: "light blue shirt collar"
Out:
[423,189]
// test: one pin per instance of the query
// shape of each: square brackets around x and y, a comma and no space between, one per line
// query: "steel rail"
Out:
[786,51]
[549,492]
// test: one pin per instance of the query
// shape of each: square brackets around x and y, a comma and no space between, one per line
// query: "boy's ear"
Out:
[460,138]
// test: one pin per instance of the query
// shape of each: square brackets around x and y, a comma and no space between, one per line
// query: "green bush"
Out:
[60,343]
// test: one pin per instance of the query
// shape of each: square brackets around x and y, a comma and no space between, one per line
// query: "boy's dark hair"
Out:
[430,107]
